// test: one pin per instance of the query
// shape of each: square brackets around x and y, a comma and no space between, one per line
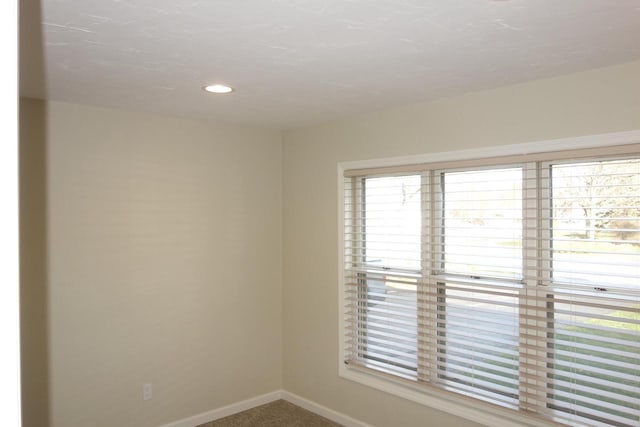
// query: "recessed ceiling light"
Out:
[217,88]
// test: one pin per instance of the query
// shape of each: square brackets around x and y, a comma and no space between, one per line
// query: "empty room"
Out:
[375,213]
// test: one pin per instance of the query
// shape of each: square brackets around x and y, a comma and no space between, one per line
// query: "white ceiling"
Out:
[298,62]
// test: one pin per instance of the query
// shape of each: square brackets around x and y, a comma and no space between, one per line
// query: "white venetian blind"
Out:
[592,264]
[382,255]
[479,223]
[592,363]
[476,270]
[517,284]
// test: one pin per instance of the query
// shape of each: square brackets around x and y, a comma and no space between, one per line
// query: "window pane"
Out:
[477,338]
[595,243]
[392,221]
[595,355]
[383,332]
[596,223]
[482,223]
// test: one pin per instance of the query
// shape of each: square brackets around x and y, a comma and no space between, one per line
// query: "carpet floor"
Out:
[275,414]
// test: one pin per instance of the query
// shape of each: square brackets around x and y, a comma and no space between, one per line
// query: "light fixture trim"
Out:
[218,88]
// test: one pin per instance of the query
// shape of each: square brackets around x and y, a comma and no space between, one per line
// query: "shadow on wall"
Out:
[34,348]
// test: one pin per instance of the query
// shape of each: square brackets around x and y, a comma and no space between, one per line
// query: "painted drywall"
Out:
[152,247]
[594,102]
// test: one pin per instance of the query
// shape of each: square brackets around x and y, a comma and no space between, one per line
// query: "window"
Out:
[514,281]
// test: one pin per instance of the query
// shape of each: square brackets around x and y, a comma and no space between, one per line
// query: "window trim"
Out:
[469,408]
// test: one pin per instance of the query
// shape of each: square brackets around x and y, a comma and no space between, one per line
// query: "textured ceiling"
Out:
[299,62]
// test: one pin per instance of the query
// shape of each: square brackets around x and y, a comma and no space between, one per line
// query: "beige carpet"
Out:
[275,414]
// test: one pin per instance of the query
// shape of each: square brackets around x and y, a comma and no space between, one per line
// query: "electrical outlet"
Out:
[147,392]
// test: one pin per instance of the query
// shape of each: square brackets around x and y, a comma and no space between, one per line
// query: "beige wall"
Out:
[151,254]
[599,101]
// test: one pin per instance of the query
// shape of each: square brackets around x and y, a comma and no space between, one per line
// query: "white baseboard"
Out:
[225,411]
[316,408]
[234,408]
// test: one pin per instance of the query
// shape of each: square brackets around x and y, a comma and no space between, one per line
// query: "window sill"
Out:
[467,408]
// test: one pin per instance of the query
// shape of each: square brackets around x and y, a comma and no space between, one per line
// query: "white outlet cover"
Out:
[147,391]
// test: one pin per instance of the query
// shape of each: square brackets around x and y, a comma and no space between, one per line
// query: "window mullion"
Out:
[431,266]
[543,285]
[435,265]
[426,324]
[533,307]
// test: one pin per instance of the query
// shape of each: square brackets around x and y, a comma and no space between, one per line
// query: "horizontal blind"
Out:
[382,259]
[477,266]
[477,340]
[478,232]
[515,284]
[593,362]
[593,260]
[595,222]
[383,221]
[382,322]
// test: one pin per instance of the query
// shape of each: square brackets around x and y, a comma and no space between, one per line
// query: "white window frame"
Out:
[468,408]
